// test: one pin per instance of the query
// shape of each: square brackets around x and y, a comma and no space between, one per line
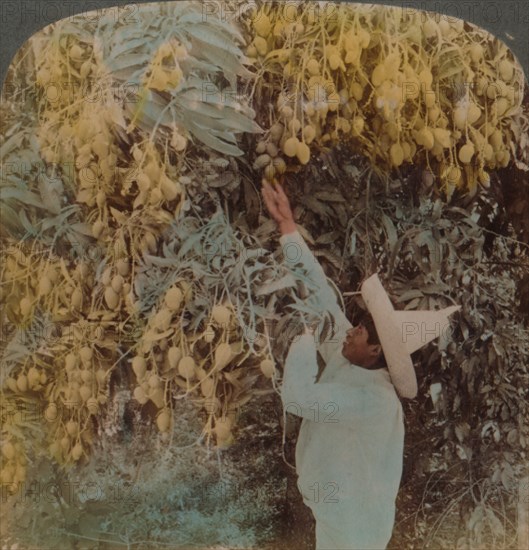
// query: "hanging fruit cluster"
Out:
[159,349]
[13,467]
[77,134]
[210,351]
[88,117]
[20,285]
[400,86]
[170,359]
[127,180]
[80,390]
[116,191]
[155,187]
[30,281]
[114,282]
[70,377]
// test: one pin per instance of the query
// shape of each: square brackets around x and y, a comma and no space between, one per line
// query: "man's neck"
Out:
[373,366]
[376,366]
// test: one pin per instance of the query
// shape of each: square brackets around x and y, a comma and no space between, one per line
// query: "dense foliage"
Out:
[399,85]
[137,259]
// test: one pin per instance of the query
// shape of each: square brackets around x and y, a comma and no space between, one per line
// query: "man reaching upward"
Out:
[350,445]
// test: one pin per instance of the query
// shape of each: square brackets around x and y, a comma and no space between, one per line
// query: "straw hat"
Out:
[402,332]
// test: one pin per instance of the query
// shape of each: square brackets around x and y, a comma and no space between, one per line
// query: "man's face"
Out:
[356,348]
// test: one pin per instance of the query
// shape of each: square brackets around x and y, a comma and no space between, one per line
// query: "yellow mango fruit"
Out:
[303,152]
[290,146]
[466,152]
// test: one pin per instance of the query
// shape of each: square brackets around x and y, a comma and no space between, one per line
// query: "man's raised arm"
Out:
[295,250]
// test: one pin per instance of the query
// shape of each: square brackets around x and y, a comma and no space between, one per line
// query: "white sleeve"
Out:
[325,401]
[295,250]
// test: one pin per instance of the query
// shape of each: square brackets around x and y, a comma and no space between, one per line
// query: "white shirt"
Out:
[350,445]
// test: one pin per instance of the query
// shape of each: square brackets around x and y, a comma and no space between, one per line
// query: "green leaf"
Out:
[462,431]
[22,195]
[316,206]
[413,304]
[226,135]
[327,238]
[507,476]
[512,437]
[409,295]
[335,260]
[127,33]
[12,143]
[438,288]
[227,62]
[209,35]
[437,210]
[206,137]
[239,123]
[191,63]
[126,46]
[149,113]
[352,244]
[199,17]
[84,228]
[220,124]
[192,99]
[126,64]
[434,250]
[194,90]
[28,226]
[331,196]
[286,281]
[11,224]
[391,232]
[464,329]
[224,115]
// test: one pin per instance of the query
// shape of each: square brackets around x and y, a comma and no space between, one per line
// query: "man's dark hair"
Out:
[366,320]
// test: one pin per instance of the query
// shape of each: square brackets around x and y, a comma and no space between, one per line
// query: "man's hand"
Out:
[279,207]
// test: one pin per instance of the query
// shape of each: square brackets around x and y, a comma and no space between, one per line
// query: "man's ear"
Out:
[375,350]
